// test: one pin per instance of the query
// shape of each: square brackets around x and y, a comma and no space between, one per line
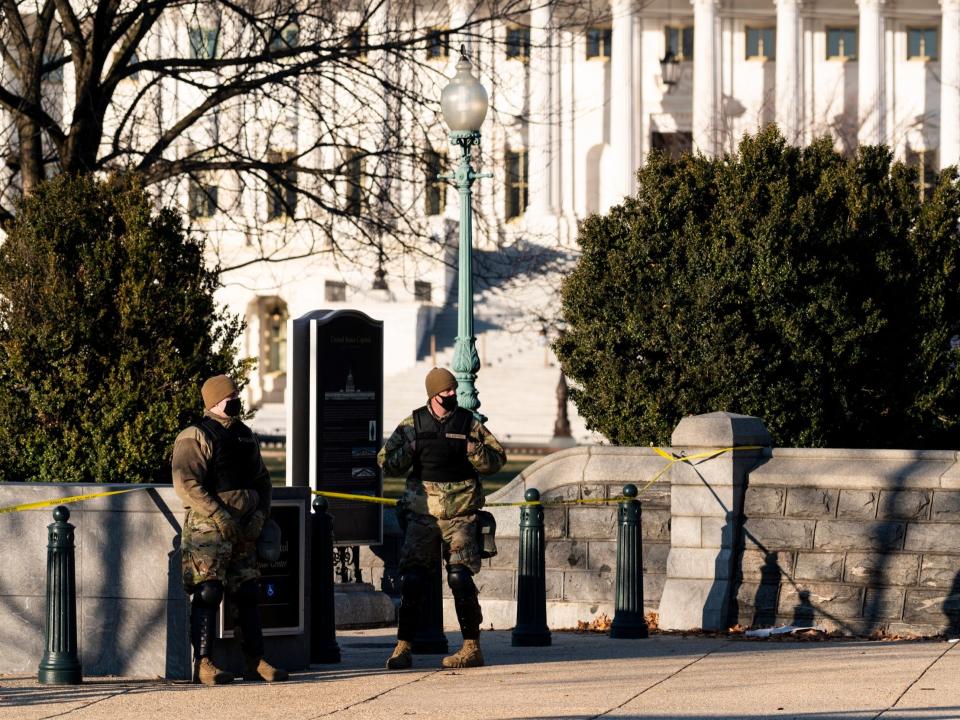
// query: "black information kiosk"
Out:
[336,412]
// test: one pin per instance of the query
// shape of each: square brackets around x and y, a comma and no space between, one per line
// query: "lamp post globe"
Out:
[463,103]
[464,100]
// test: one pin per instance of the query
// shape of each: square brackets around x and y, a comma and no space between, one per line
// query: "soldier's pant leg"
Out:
[460,547]
[419,557]
[463,561]
[247,601]
[205,555]
[203,613]
[414,583]
[465,601]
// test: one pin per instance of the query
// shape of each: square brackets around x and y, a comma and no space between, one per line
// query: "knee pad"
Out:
[247,594]
[460,580]
[208,594]
[413,583]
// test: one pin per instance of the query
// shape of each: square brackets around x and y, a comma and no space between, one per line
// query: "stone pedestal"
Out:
[359,605]
[706,498]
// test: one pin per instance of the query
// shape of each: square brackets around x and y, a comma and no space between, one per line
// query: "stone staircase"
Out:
[517,384]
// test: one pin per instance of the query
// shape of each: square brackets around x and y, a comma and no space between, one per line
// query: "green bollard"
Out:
[323,626]
[628,618]
[60,664]
[531,629]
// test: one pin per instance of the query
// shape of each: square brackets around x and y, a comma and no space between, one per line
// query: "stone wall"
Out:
[581,539]
[857,540]
[861,541]
[132,613]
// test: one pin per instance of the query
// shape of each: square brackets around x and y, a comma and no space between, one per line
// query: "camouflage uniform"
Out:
[219,475]
[440,514]
[206,555]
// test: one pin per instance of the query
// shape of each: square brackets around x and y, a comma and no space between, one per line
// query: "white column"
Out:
[566,136]
[540,118]
[460,13]
[706,71]
[624,100]
[950,83]
[788,69]
[870,95]
[557,105]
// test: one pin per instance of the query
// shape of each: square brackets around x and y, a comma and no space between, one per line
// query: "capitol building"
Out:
[580,94]
[577,109]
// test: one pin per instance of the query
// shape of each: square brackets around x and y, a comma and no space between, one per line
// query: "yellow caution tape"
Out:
[671,459]
[65,500]
[360,498]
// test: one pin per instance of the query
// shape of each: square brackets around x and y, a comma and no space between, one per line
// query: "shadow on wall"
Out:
[177,664]
[765,601]
[720,598]
[803,610]
[951,608]
[120,628]
[766,598]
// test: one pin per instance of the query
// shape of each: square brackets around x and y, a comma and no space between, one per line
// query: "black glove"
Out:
[254,526]
[226,525]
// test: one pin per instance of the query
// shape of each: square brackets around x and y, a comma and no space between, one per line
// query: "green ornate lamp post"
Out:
[464,105]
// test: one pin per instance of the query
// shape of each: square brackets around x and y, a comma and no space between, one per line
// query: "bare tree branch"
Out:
[302,128]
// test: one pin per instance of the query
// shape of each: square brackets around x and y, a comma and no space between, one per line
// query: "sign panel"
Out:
[336,416]
[281,581]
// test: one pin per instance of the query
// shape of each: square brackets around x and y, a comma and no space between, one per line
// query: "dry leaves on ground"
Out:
[600,624]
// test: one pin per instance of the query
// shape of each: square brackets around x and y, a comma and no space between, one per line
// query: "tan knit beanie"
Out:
[438,380]
[216,389]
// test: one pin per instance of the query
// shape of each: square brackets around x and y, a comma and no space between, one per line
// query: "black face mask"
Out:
[448,402]
[233,408]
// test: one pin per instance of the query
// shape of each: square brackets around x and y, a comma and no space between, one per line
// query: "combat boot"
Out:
[402,657]
[256,668]
[467,656]
[209,674]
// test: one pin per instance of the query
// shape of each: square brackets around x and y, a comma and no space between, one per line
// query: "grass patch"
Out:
[276,462]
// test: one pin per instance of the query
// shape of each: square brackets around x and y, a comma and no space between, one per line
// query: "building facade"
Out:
[581,94]
[579,105]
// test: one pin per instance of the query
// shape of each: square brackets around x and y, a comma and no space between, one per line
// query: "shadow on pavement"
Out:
[95,690]
[946,712]
[364,657]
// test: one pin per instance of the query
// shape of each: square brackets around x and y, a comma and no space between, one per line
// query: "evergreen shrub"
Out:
[108,327]
[812,290]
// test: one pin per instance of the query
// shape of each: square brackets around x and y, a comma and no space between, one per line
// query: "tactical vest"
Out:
[441,447]
[235,460]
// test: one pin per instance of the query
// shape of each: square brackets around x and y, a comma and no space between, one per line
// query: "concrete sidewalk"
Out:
[581,676]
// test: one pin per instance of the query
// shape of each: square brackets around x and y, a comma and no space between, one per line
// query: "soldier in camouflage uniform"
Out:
[446,449]
[225,488]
